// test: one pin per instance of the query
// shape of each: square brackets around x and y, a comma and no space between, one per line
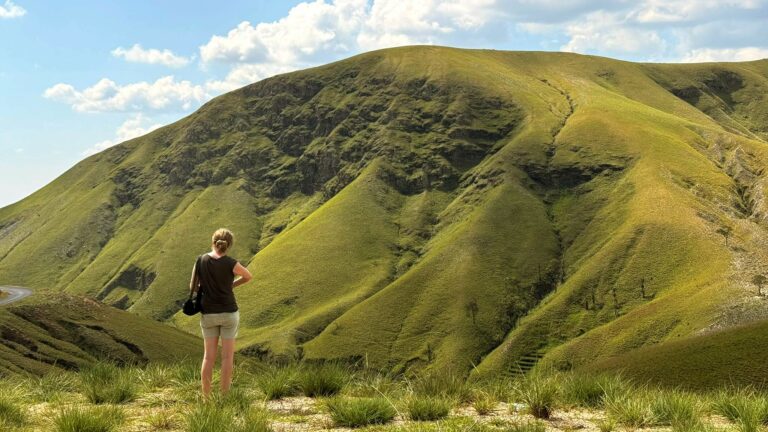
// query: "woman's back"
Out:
[216,277]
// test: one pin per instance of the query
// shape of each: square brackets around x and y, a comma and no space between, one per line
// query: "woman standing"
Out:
[220,317]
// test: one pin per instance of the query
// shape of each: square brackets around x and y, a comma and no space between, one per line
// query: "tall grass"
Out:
[357,412]
[447,384]
[210,417]
[52,386]
[106,383]
[326,379]
[89,419]
[676,408]
[631,410]
[591,391]
[218,417]
[539,392]
[11,413]
[746,408]
[484,402]
[278,382]
[428,408]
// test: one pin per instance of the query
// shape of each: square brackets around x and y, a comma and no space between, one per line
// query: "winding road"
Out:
[14,294]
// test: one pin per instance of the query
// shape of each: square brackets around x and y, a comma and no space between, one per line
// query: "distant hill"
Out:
[65,331]
[434,207]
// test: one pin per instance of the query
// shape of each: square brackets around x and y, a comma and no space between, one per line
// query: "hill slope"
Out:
[433,206]
[68,332]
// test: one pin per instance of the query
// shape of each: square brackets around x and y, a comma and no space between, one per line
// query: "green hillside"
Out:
[734,357]
[63,331]
[434,207]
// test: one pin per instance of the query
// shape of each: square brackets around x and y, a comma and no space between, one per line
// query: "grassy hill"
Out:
[66,332]
[434,207]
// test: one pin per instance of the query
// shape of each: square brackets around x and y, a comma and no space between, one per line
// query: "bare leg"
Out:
[227,363]
[209,360]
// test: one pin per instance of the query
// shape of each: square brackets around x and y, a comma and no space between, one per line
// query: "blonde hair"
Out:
[222,240]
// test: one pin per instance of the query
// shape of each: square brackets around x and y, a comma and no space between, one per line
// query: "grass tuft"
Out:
[11,414]
[676,408]
[445,385]
[277,382]
[326,379]
[357,412]
[428,408]
[744,407]
[539,393]
[631,410]
[484,402]
[89,419]
[106,383]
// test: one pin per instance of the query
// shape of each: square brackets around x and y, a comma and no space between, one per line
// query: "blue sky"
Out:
[79,76]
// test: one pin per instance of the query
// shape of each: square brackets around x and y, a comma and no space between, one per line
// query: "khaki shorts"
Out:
[220,324]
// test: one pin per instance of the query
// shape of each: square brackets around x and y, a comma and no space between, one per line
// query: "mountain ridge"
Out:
[427,206]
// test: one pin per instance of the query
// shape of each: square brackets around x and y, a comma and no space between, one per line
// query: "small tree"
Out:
[472,308]
[615,301]
[726,232]
[759,280]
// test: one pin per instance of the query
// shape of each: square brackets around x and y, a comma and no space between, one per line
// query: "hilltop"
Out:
[427,207]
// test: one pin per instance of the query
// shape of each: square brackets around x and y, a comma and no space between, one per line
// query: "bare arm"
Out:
[193,282]
[245,275]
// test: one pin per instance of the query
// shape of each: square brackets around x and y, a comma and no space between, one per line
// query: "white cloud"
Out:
[11,10]
[165,94]
[137,54]
[244,74]
[136,126]
[717,55]
[608,33]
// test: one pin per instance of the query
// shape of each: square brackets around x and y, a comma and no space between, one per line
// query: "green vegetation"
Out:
[11,413]
[356,412]
[106,383]
[163,401]
[540,394]
[326,379]
[46,333]
[89,419]
[427,408]
[424,208]
[277,383]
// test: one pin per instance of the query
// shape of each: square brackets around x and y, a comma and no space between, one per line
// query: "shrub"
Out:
[539,394]
[11,414]
[88,419]
[107,383]
[277,383]
[356,412]
[327,379]
[428,408]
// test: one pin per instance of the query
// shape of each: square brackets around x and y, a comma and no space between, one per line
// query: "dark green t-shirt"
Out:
[216,277]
